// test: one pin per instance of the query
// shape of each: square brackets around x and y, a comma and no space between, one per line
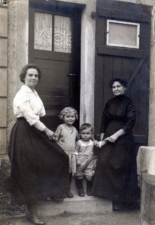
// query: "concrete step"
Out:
[86,204]
[49,208]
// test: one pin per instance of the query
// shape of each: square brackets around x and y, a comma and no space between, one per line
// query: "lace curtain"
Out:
[43,33]
[62,34]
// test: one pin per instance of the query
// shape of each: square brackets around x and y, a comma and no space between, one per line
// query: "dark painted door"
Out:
[122,50]
[54,45]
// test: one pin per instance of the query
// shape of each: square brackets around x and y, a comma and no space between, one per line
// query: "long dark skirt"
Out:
[116,176]
[39,167]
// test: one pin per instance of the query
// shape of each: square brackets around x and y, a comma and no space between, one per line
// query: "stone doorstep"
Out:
[86,204]
[49,208]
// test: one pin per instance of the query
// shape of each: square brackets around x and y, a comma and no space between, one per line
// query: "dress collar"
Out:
[27,89]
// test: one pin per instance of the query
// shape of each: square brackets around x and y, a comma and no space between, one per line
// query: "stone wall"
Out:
[3,75]
[17,50]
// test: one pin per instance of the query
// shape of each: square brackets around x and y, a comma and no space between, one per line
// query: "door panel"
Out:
[128,63]
[54,45]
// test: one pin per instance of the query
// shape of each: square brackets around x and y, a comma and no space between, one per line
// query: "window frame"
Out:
[137,46]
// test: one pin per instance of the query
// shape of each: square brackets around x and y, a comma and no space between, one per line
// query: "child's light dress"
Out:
[66,139]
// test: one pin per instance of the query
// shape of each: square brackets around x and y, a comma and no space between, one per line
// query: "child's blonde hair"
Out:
[68,110]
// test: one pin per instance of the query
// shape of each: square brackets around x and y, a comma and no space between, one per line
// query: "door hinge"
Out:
[93,15]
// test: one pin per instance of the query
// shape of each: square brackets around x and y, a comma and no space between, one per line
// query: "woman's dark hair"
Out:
[24,70]
[121,81]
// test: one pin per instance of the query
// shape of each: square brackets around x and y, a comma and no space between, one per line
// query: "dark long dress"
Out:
[39,167]
[115,176]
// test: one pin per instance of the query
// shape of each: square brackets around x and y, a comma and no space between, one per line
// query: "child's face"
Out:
[69,118]
[86,134]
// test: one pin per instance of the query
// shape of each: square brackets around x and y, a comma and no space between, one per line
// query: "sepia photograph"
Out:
[77,112]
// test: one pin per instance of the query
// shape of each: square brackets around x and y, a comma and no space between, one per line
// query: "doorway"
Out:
[54,45]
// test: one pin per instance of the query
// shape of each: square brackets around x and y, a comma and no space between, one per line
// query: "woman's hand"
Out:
[112,138]
[115,136]
[49,133]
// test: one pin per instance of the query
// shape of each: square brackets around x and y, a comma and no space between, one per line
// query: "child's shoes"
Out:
[79,184]
[89,188]
[81,192]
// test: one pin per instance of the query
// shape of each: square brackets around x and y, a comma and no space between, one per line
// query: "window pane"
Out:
[43,31]
[62,34]
[123,34]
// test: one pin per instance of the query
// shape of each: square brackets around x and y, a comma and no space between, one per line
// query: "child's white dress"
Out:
[66,139]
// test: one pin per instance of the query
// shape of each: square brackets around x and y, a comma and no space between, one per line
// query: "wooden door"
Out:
[123,50]
[54,45]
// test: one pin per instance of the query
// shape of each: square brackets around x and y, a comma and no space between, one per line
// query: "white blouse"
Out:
[28,104]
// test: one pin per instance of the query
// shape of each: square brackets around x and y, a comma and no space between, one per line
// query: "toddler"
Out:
[66,136]
[85,166]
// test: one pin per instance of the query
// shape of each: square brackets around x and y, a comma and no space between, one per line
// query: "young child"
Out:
[66,136]
[85,166]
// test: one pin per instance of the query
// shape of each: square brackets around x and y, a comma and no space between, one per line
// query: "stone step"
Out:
[76,204]
[49,208]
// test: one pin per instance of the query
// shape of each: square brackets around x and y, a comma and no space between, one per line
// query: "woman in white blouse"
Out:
[39,167]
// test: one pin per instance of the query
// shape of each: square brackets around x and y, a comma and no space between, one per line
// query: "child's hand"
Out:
[104,142]
[78,163]
[49,133]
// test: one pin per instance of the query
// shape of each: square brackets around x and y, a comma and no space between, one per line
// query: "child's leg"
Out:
[69,193]
[79,185]
[89,185]
[89,172]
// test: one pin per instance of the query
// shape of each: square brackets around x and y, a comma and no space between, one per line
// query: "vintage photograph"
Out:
[77,112]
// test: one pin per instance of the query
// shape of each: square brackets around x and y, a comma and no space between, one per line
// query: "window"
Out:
[52,32]
[123,34]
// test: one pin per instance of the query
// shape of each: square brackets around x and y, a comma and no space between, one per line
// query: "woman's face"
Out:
[118,89]
[31,78]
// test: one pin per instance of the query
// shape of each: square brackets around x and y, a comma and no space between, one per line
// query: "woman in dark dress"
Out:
[39,167]
[115,177]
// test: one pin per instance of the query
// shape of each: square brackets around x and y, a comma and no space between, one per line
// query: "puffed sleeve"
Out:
[105,118]
[22,107]
[30,117]
[130,117]
[58,133]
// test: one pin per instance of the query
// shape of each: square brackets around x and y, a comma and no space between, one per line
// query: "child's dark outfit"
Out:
[85,165]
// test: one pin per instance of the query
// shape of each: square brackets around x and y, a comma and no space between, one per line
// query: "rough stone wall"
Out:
[3,75]
[17,50]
